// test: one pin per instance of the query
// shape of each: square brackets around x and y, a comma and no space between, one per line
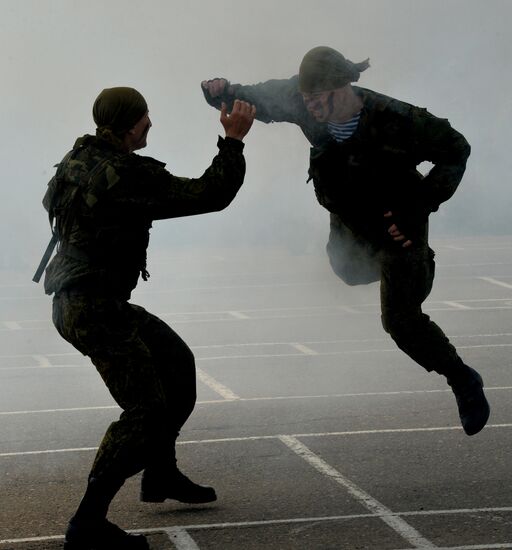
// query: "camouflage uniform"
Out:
[104,202]
[361,178]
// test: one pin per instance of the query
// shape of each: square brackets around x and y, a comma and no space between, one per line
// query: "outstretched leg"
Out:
[407,277]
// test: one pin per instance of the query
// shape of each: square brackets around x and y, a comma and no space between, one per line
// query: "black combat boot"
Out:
[474,410]
[89,529]
[83,535]
[157,487]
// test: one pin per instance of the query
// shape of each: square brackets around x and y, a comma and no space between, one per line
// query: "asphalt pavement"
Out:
[315,430]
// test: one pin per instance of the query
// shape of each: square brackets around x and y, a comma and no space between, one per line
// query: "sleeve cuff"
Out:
[235,144]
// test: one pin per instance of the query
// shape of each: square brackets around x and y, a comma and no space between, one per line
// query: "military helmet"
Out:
[324,68]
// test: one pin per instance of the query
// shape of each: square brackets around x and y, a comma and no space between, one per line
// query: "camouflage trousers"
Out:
[149,371]
[406,276]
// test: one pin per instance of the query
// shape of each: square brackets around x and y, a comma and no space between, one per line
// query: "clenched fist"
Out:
[216,86]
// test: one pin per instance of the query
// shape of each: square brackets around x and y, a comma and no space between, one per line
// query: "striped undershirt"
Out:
[341,131]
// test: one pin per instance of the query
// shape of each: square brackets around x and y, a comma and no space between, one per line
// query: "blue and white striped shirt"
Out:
[341,131]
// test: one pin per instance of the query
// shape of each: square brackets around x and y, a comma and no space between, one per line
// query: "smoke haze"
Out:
[451,57]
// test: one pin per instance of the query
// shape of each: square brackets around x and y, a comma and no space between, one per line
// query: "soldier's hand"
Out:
[396,234]
[239,121]
[216,87]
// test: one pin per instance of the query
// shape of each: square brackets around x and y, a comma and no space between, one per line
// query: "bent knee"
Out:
[403,324]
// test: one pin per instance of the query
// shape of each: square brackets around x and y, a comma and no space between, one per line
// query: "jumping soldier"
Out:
[363,162]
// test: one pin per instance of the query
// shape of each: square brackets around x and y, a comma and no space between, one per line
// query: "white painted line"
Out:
[331,353]
[282,343]
[42,361]
[496,282]
[338,434]
[267,437]
[348,309]
[303,349]
[32,539]
[448,511]
[324,396]
[272,355]
[181,539]
[485,346]
[291,521]
[287,312]
[314,519]
[255,399]
[238,315]
[400,526]
[452,247]
[217,387]
[12,325]
[70,409]
[50,451]
[428,308]
[47,366]
[456,305]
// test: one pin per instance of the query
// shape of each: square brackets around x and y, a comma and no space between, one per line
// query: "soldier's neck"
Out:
[346,105]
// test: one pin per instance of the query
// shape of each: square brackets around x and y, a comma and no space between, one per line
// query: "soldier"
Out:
[365,150]
[103,199]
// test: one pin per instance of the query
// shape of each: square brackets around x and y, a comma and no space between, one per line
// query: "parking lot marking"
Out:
[181,539]
[277,343]
[217,387]
[238,315]
[269,355]
[399,525]
[42,361]
[12,325]
[68,409]
[452,247]
[32,539]
[289,312]
[495,282]
[50,451]
[348,309]
[286,521]
[291,521]
[456,305]
[267,437]
[246,399]
[303,349]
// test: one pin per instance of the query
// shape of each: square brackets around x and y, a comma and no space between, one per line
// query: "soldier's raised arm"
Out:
[165,195]
[276,100]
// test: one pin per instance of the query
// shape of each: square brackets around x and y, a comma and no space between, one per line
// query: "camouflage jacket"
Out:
[103,202]
[375,170]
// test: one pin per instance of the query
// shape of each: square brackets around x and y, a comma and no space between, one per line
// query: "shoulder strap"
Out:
[46,258]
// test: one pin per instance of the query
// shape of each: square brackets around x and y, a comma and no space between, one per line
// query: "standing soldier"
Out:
[102,201]
[364,154]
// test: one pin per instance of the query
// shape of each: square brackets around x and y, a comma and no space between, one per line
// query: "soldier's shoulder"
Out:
[379,102]
[137,167]
[142,160]
[393,114]
[121,171]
